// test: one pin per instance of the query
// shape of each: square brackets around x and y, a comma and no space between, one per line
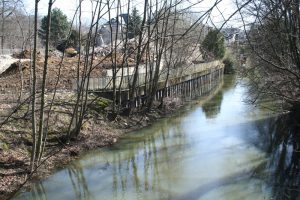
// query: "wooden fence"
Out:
[105,83]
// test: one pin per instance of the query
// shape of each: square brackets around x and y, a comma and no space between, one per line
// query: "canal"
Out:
[217,147]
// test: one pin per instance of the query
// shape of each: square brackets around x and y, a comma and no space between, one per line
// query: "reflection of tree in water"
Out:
[78,181]
[38,192]
[283,142]
[145,164]
[212,107]
[229,82]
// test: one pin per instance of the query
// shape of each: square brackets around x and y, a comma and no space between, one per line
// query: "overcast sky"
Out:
[226,7]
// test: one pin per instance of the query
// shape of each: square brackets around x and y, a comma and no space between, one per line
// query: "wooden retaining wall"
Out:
[176,76]
[195,80]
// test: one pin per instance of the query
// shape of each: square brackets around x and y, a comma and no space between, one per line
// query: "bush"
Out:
[229,66]
[214,43]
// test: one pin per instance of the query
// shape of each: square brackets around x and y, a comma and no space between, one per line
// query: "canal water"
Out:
[216,148]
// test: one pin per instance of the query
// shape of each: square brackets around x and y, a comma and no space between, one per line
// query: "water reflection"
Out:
[39,192]
[144,163]
[212,107]
[239,154]
[282,142]
[74,177]
[78,181]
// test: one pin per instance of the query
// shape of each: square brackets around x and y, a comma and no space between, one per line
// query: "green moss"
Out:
[24,106]
[103,103]
[4,146]
[1,137]
[99,105]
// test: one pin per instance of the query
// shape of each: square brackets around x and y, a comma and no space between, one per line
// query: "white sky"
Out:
[69,7]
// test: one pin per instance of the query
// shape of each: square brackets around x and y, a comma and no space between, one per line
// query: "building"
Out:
[232,35]
[112,30]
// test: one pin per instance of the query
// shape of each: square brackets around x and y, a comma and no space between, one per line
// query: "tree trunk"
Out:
[33,90]
[139,55]
[42,134]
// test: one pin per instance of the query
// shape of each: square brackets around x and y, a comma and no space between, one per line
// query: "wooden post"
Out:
[190,88]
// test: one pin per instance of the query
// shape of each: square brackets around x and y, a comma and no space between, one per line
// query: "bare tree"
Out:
[273,39]
[33,91]
[9,8]
[41,133]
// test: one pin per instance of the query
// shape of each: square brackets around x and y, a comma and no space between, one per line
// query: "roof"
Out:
[113,21]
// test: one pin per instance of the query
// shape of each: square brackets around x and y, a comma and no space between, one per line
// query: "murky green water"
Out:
[216,148]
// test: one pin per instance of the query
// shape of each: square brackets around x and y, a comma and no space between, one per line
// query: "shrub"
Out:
[229,66]
[214,43]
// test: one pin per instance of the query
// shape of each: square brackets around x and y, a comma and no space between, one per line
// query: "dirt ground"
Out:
[62,72]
